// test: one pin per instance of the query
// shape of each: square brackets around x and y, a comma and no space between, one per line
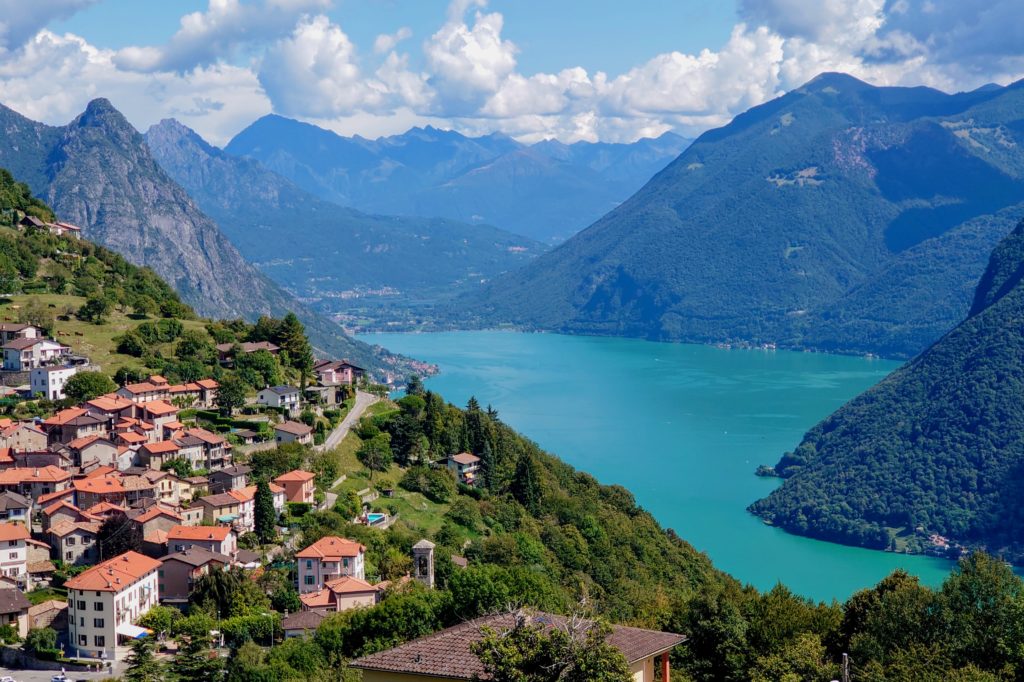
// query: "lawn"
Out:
[96,341]
[46,594]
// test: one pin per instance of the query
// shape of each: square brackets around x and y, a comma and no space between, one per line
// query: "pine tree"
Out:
[266,515]
[475,433]
[526,483]
[142,665]
[487,464]
[292,339]
[193,662]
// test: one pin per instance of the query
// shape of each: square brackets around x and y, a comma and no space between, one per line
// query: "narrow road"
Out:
[363,401]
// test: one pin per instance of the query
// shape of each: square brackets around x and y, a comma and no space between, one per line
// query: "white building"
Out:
[14,551]
[24,354]
[327,559]
[106,601]
[49,381]
[282,397]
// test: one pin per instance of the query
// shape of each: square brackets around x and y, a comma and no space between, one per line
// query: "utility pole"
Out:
[846,667]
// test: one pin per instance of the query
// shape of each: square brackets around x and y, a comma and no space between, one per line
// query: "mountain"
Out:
[781,226]
[546,191]
[98,172]
[935,448]
[321,249]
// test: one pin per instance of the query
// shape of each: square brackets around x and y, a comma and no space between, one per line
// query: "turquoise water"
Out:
[682,426]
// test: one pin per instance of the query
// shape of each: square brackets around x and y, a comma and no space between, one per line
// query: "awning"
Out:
[132,631]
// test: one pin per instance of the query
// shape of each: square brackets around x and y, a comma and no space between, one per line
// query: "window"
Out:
[345,563]
[81,606]
[12,543]
[99,640]
[97,605]
[309,580]
[83,640]
[81,621]
[309,563]
[71,542]
[97,622]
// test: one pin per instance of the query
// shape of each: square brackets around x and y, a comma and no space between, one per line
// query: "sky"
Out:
[608,70]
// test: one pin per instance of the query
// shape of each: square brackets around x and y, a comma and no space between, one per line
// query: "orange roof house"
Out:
[114,575]
[298,485]
[331,548]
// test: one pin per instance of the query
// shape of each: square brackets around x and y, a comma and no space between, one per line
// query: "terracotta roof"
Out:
[157,379]
[465,458]
[114,574]
[447,653]
[208,384]
[159,408]
[79,443]
[332,548]
[294,428]
[219,500]
[143,387]
[58,495]
[295,476]
[160,447]
[346,584]
[197,556]
[22,344]
[218,533]
[104,508]
[13,531]
[303,620]
[44,566]
[67,527]
[156,537]
[205,436]
[319,599]
[155,511]
[110,403]
[99,486]
[136,483]
[46,474]
[132,437]
[243,494]
[5,456]
[101,471]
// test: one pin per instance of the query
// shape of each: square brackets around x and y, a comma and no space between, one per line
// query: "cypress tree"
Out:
[526,483]
[265,514]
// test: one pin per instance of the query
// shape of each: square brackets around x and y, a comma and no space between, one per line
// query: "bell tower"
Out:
[423,562]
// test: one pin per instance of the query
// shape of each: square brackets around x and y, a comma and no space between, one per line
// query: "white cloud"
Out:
[207,37]
[21,20]
[53,77]
[386,42]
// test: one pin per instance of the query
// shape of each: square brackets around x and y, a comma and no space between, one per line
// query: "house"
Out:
[334,372]
[72,423]
[226,351]
[341,594]
[48,381]
[220,539]
[246,520]
[159,412]
[447,654]
[180,571]
[93,449]
[207,392]
[301,624]
[155,455]
[220,508]
[62,229]
[23,436]
[9,331]
[216,450]
[298,486]
[21,355]
[14,606]
[61,510]
[293,432]
[106,601]
[14,551]
[327,559]
[51,613]
[465,466]
[113,407]
[34,482]
[157,388]
[74,542]
[284,398]
[15,508]
[230,478]
[155,518]
[90,491]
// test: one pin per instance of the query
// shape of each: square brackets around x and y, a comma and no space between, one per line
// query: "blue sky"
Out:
[611,70]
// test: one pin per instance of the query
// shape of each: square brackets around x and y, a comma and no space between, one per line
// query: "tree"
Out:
[41,639]
[526,483]
[142,665]
[415,385]
[37,313]
[265,514]
[181,467]
[160,619]
[84,386]
[375,454]
[95,310]
[534,651]
[215,590]
[230,394]
[195,661]
[291,337]
[118,535]
[132,344]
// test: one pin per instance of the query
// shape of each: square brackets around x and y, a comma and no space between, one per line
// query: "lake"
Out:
[682,426]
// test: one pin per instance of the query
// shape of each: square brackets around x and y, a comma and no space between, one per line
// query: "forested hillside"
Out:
[936,448]
[841,216]
[97,172]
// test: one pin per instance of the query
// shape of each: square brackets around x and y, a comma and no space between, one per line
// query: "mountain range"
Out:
[936,449]
[546,191]
[840,216]
[98,172]
[320,249]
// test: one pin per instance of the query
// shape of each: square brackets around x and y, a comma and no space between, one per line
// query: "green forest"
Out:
[935,449]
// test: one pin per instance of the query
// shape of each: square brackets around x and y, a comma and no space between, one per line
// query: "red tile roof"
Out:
[13,531]
[115,574]
[465,458]
[332,548]
[218,533]
[99,486]
[295,476]
[161,447]
[346,584]
[294,428]
[46,474]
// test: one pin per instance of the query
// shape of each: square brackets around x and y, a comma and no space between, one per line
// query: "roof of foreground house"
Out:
[331,548]
[114,575]
[447,654]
